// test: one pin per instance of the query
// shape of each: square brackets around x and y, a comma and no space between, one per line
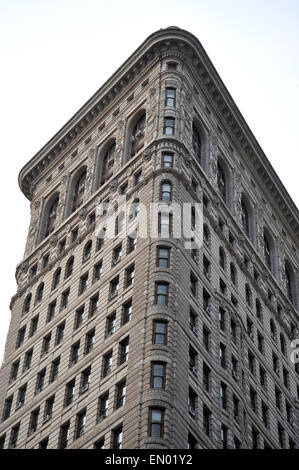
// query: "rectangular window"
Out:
[192,399]
[75,351]
[79,317]
[170,96]
[80,424]
[117,436]
[163,257]
[54,369]
[126,312]
[206,374]
[132,243]
[40,381]
[14,370]
[99,444]
[265,415]
[138,177]
[33,421]
[206,420]
[21,396]
[51,310]
[46,345]
[223,395]
[103,406]
[7,408]
[83,283]
[129,276]
[159,332]
[114,285]
[49,406]
[65,299]
[110,324]
[167,160]
[13,439]
[89,341]
[120,394]
[193,284]
[116,254]
[206,267]
[161,293]
[206,338]
[85,380]
[206,300]
[165,224]
[27,360]
[107,364]
[33,326]
[224,436]
[222,319]
[21,336]
[69,392]
[93,305]
[236,407]
[156,422]
[193,322]
[64,435]
[97,271]
[169,126]
[222,349]
[158,375]
[59,333]
[123,351]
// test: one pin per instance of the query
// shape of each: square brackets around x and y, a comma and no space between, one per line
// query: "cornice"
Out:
[177,41]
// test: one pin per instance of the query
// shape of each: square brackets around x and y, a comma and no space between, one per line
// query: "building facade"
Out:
[134,341]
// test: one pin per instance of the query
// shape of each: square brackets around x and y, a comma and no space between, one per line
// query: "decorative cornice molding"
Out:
[170,41]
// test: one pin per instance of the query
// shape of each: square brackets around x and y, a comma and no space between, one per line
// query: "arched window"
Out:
[79,191]
[138,135]
[233,274]
[26,305]
[56,278]
[206,235]
[222,257]
[273,329]
[39,293]
[196,143]
[108,163]
[69,267]
[221,181]
[268,250]
[248,295]
[282,344]
[289,281]
[166,191]
[245,217]
[52,216]
[87,251]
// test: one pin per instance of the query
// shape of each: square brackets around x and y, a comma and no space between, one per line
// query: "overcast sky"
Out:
[55,54]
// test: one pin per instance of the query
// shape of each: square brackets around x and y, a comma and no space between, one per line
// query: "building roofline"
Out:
[158,42]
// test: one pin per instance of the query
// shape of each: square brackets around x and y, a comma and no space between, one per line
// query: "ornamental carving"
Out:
[147,155]
[54,240]
[113,186]
[25,267]
[83,213]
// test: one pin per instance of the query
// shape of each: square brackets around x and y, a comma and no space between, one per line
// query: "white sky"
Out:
[55,54]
